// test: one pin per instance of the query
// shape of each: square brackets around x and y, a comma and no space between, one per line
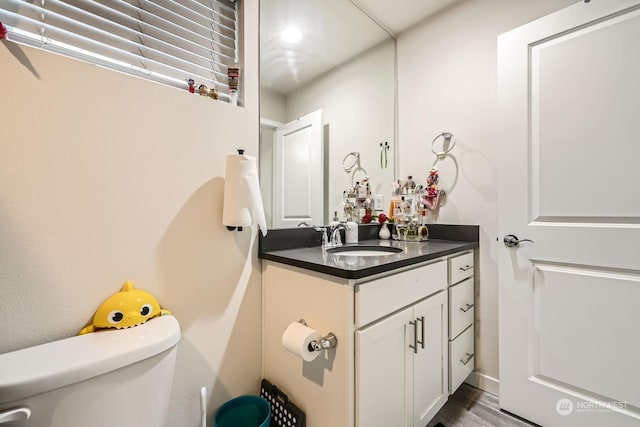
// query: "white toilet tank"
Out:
[115,378]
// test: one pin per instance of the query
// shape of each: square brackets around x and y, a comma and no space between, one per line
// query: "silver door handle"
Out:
[512,241]
[466,268]
[15,415]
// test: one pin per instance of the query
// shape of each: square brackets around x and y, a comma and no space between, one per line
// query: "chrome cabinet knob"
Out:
[512,241]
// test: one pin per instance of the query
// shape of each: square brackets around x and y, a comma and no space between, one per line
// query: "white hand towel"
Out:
[242,199]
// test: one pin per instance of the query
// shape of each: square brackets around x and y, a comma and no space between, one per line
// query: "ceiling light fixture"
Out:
[291,35]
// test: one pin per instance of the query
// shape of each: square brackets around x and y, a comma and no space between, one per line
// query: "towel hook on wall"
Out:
[448,142]
[350,161]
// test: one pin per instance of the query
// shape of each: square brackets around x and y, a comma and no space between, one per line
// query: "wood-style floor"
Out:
[472,407]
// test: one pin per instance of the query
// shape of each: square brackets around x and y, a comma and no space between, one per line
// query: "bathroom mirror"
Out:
[328,79]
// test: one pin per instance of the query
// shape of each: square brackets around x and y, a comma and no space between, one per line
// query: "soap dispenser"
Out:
[335,220]
[351,233]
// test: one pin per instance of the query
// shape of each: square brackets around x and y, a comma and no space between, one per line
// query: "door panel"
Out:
[570,131]
[570,346]
[586,153]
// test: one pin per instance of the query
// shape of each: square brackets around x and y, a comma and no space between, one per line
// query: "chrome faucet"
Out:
[336,239]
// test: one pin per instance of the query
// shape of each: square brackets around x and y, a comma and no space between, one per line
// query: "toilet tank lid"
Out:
[56,364]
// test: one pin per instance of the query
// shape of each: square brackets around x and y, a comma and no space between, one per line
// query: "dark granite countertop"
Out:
[350,267]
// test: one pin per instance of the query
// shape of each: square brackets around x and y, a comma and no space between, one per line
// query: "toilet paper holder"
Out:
[324,343]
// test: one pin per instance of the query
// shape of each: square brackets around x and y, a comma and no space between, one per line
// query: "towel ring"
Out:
[449,141]
[348,166]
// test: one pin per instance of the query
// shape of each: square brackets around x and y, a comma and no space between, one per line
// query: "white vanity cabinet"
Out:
[391,366]
[401,366]
[401,347]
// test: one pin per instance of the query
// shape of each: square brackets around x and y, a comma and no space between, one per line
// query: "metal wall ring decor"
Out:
[351,160]
[448,142]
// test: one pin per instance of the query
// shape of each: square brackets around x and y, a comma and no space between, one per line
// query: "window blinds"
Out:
[164,40]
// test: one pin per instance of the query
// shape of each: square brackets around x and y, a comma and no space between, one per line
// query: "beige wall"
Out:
[447,82]
[273,106]
[106,177]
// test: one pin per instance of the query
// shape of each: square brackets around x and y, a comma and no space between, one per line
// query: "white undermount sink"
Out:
[364,250]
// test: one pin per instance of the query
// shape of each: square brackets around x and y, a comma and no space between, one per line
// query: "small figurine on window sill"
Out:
[203,90]
[213,93]
[192,85]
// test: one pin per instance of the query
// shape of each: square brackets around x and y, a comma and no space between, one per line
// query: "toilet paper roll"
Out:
[242,199]
[296,339]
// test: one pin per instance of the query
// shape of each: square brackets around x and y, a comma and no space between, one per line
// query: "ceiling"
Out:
[404,14]
[330,32]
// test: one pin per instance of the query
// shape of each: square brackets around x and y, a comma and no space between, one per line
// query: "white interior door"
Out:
[298,171]
[569,95]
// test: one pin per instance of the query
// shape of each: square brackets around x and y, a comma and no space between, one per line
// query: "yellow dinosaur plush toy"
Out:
[125,309]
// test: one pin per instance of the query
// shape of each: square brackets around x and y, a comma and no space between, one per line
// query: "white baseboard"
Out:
[484,382]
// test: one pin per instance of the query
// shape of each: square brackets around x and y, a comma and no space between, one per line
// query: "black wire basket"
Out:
[283,412]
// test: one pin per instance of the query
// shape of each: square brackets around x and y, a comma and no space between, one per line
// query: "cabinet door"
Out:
[380,371]
[430,363]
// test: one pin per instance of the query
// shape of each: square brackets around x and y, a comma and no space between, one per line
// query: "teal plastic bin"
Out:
[244,411]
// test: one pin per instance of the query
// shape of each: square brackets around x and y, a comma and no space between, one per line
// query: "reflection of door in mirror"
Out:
[292,154]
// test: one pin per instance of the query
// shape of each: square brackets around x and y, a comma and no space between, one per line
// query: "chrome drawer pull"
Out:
[467,308]
[468,359]
[421,320]
[415,336]
[466,268]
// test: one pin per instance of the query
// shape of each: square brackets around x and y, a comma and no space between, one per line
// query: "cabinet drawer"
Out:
[380,297]
[460,267]
[460,307]
[461,359]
